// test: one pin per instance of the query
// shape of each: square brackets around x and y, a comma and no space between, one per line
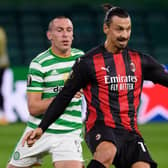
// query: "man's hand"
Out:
[79,94]
[32,136]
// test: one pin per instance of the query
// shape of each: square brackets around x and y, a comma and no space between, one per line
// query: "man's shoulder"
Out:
[75,51]
[145,57]
[87,58]
[41,56]
[94,51]
[139,52]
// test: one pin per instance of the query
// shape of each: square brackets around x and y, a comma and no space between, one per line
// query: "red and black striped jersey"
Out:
[112,85]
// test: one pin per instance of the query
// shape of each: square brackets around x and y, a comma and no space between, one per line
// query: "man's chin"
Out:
[122,46]
[65,48]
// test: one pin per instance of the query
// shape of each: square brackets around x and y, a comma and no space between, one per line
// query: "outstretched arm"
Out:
[154,71]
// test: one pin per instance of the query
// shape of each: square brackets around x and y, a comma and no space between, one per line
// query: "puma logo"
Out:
[107,69]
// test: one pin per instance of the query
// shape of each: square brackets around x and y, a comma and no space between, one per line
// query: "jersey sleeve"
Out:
[35,78]
[77,80]
[154,71]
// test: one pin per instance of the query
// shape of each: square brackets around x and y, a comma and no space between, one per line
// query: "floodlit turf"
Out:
[155,135]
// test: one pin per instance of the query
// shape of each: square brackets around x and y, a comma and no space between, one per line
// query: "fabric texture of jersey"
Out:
[119,78]
[47,74]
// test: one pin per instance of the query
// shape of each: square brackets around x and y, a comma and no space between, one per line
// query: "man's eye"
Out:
[69,30]
[59,30]
[120,28]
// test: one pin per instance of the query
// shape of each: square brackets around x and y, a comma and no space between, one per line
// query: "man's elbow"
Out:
[33,111]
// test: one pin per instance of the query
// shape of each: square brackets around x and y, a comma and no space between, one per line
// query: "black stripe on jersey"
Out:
[136,61]
[130,96]
[95,92]
[109,62]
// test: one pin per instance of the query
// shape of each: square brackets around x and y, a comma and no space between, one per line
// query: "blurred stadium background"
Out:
[26,23]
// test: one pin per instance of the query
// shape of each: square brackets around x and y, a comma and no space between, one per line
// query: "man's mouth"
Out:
[65,42]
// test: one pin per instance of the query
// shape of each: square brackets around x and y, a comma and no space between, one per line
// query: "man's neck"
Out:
[61,54]
[111,48]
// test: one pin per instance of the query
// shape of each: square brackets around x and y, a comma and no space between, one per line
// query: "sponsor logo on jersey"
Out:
[57,89]
[120,79]
[119,83]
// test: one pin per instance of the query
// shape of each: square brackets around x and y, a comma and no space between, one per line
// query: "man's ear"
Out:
[49,35]
[105,28]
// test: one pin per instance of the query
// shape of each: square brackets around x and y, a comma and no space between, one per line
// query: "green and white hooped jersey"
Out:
[47,74]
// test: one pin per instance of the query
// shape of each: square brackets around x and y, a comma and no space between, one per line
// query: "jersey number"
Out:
[142,146]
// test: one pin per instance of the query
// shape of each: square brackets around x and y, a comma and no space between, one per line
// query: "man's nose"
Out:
[126,34]
[65,33]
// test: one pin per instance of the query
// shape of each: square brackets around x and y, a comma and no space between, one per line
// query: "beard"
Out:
[122,46]
[122,43]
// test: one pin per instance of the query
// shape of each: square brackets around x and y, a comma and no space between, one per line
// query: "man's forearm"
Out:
[39,107]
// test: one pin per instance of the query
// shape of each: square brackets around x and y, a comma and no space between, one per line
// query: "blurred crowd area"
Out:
[26,27]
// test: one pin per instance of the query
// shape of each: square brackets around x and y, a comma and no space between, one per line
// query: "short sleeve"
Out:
[35,78]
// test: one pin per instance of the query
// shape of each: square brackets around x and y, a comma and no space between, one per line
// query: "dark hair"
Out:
[113,11]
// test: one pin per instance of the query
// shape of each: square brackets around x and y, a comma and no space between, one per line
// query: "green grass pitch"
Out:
[155,135]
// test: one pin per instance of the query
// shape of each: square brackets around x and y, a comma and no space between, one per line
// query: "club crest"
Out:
[132,67]
[98,136]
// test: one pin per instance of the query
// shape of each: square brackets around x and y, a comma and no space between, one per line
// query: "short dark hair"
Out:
[58,17]
[113,11]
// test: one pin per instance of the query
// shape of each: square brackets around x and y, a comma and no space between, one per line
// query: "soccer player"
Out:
[46,77]
[112,76]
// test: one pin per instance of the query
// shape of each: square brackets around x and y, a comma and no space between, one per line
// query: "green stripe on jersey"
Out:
[48,73]
[53,131]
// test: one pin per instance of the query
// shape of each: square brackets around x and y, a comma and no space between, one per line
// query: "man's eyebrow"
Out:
[120,26]
[64,27]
